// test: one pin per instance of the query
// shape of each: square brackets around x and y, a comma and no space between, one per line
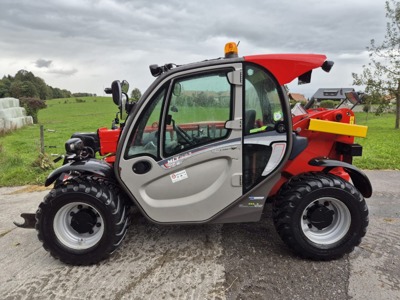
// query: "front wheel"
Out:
[82,221]
[320,216]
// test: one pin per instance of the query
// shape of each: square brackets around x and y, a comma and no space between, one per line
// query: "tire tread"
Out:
[108,196]
[294,191]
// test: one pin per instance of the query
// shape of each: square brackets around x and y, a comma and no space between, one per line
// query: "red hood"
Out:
[286,67]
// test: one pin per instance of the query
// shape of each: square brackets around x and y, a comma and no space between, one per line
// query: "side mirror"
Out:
[177,89]
[353,97]
[120,97]
[125,86]
[122,107]
[116,91]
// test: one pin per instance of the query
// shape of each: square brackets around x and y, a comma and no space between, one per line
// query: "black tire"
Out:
[82,221]
[320,216]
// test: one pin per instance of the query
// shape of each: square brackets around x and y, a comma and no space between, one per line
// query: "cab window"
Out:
[262,110]
[198,109]
[144,139]
[262,102]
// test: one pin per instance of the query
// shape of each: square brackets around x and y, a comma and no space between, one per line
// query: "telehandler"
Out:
[212,142]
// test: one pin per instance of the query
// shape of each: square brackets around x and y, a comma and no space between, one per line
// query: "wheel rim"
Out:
[78,226]
[325,221]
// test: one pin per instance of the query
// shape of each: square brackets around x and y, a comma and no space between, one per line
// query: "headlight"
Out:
[73,145]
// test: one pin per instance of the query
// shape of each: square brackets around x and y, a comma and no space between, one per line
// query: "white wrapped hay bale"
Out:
[29,120]
[8,102]
[12,113]
[21,121]
[12,116]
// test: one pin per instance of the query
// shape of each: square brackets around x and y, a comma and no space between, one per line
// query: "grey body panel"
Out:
[194,191]
[198,184]
[203,184]
[277,141]
[249,208]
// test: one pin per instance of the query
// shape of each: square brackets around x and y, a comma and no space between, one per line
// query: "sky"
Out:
[83,45]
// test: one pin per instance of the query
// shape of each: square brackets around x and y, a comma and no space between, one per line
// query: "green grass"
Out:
[381,146]
[19,150]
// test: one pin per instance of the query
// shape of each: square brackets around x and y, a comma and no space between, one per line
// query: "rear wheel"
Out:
[320,216]
[82,221]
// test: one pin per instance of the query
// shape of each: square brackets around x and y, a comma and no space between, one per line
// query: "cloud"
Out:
[54,68]
[42,63]
[63,72]
[116,39]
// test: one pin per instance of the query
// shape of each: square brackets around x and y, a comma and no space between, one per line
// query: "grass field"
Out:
[19,151]
[381,146]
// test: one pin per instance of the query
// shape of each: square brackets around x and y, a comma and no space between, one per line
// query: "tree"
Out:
[328,104]
[65,93]
[382,74]
[24,75]
[26,84]
[204,100]
[5,84]
[57,93]
[20,89]
[135,94]
[41,88]
[32,107]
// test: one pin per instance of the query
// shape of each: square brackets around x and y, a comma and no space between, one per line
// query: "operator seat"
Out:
[249,120]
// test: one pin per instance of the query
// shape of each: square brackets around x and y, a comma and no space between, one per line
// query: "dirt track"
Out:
[231,261]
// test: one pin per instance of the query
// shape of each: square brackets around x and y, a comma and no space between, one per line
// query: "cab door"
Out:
[182,160]
[267,126]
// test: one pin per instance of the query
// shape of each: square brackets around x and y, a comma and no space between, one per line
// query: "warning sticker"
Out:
[179,176]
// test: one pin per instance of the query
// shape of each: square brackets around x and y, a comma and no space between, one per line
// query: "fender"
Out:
[93,166]
[360,180]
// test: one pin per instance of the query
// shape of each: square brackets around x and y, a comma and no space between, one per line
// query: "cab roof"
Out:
[287,67]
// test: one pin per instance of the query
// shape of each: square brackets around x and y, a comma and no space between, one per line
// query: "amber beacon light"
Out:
[231,50]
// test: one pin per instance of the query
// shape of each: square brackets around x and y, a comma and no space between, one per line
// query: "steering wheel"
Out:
[184,135]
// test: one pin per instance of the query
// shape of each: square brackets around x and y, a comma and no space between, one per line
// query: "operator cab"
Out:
[206,134]
[210,134]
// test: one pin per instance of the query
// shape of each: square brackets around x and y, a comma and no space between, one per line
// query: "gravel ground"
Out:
[230,261]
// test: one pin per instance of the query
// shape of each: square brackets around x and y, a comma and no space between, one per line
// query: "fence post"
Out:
[41,139]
